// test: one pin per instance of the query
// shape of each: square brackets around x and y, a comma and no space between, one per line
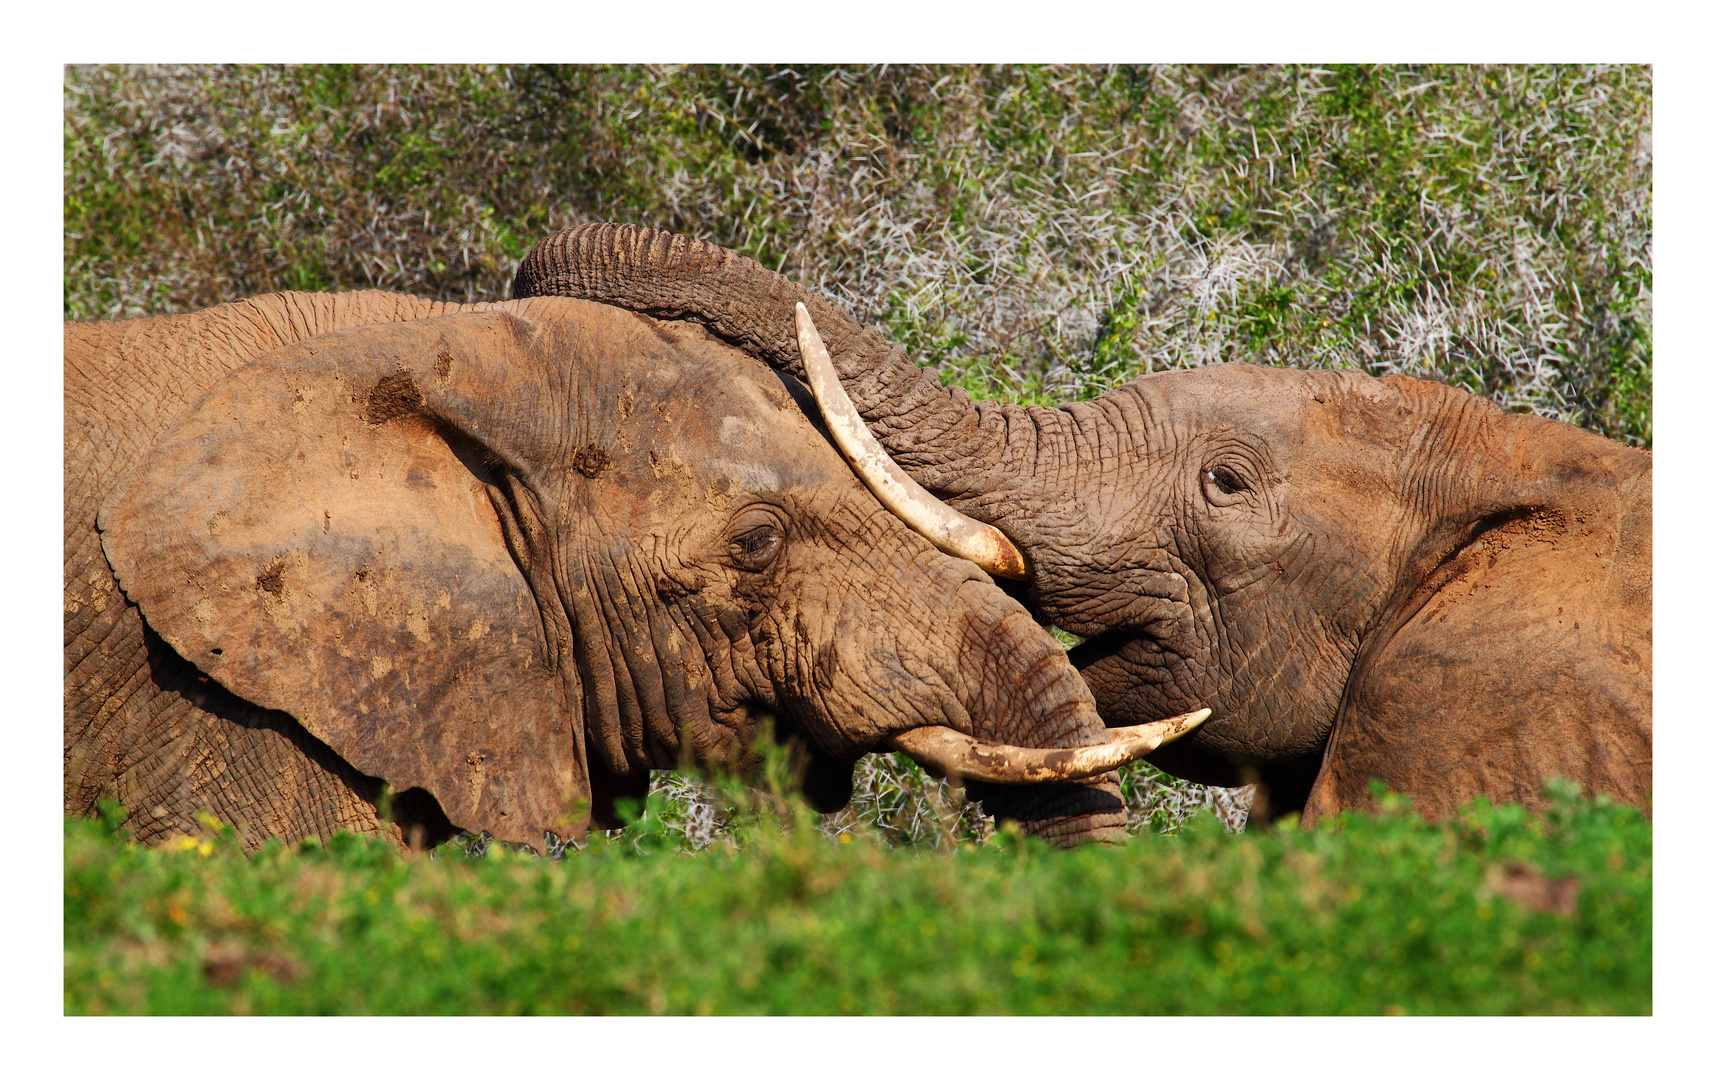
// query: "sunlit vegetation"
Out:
[1499,911]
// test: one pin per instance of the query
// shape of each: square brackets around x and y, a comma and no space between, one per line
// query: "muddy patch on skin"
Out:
[394,396]
[591,460]
[272,580]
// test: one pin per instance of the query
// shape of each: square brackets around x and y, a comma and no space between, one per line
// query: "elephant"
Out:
[372,562]
[1367,579]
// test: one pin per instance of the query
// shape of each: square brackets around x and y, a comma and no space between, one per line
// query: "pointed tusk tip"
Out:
[1160,732]
[953,532]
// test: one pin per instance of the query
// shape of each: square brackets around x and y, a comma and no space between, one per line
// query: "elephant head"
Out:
[518,557]
[1363,578]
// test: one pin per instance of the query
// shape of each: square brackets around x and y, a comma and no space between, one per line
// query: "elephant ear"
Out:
[1524,657]
[311,541]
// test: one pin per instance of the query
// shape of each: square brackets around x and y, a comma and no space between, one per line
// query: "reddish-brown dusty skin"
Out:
[503,559]
[1362,578]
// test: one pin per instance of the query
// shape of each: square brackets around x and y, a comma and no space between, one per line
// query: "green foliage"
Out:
[1036,233]
[1498,911]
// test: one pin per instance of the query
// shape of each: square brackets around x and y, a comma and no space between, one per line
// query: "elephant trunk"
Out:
[1019,690]
[950,445]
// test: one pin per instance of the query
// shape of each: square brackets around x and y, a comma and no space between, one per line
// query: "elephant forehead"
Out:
[728,418]
[650,390]
[1222,380]
[673,426]
[1265,397]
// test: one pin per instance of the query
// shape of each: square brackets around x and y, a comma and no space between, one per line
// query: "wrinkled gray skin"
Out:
[1362,578]
[504,559]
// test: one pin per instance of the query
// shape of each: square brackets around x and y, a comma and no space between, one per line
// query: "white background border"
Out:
[41,38]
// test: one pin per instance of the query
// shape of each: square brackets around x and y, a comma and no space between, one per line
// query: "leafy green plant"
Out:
[1497,911]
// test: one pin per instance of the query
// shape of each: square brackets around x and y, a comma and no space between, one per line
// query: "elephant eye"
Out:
[756,546]
[1223,485]
[1226,480]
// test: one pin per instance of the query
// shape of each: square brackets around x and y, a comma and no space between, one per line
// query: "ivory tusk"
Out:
[951,753]
[1170,729]
[939,523]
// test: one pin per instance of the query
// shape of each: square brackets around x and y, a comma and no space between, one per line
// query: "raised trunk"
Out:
[951,445]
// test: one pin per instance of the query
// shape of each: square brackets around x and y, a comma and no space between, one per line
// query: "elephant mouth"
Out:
[1129,674]
[1142,656]
[942,751]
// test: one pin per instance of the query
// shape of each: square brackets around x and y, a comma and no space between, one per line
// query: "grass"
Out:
[1499,911]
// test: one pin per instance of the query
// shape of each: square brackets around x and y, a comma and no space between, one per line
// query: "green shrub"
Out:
[1035,232]
[1498,911]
